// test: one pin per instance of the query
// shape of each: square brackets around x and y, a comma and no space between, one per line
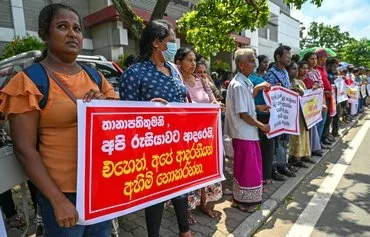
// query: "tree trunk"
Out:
[135,23]
[159,9]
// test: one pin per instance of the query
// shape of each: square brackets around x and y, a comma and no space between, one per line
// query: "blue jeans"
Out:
[52,229]
[320,125]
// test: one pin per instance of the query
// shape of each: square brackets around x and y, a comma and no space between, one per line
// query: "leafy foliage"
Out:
[298,3]
[218,65]
[21,44]
[208,27]
[320,35]
[121,60]
[357,53]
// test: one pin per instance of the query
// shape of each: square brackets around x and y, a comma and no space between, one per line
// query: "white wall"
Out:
[288,32]
[274,8]
[267,47]
[253,35]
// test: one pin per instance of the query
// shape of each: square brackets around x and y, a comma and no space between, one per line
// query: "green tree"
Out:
[209,26]
[320,35]
[357,53]
[21,44]
[135,23]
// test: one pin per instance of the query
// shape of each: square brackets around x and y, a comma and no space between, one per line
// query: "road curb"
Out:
[253,222]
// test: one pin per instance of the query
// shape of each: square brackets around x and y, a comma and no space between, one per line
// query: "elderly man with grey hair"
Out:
[242,126]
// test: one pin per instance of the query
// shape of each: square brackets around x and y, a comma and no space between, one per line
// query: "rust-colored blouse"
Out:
[57,127]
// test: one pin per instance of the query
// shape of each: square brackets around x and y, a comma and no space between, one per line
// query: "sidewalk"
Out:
[230,221]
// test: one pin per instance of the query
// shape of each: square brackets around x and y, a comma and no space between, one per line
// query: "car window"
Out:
[108,70]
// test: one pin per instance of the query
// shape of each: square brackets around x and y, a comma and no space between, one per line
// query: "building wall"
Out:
[102,36]
[20,17]
[6,19]
[283,7]
[289,32]
[111,39]
[266,40]
[175,8]
[32,9]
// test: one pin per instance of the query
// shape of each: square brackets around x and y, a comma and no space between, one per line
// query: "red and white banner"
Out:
[284,111]
[311,104]
[132,155]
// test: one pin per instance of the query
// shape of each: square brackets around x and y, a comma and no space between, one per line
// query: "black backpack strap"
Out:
[93,74]
[37,74]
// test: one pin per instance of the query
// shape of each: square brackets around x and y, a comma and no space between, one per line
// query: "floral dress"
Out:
[299,146]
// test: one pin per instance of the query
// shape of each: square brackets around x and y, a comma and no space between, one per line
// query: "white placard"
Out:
[284,112]
[341,90]
[363,91]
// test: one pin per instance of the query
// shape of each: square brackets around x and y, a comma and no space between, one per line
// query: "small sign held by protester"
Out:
[311,105]
[333,103]
[341,90]
[132,155]
[353,94]
[284,112]
[2,226]
[363,91]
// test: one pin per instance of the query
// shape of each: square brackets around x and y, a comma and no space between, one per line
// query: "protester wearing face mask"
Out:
[154,78]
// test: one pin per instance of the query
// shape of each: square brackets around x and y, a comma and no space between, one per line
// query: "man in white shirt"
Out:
[242,126]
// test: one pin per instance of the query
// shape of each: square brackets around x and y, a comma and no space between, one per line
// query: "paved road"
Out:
[233,223]
[334,200]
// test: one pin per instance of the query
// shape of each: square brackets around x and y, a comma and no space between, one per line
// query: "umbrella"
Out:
[343,65]
[331,53]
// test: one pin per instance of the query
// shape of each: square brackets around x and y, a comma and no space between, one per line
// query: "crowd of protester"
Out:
[163,73]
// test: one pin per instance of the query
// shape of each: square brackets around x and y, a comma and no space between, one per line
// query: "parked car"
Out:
[10,66]
[109,69]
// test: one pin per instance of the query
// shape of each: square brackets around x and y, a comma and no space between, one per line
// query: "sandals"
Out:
[300,164]
[291,168]
[191,219]
[208,211]
[308,160]
[268,181]
[276,176]
[16,221]
[294,161]
[247,209]
[285,171]
[186,234]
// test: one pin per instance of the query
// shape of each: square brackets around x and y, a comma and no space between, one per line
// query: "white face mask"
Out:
[170,53]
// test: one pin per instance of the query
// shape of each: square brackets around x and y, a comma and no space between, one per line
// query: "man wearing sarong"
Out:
[242,126]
